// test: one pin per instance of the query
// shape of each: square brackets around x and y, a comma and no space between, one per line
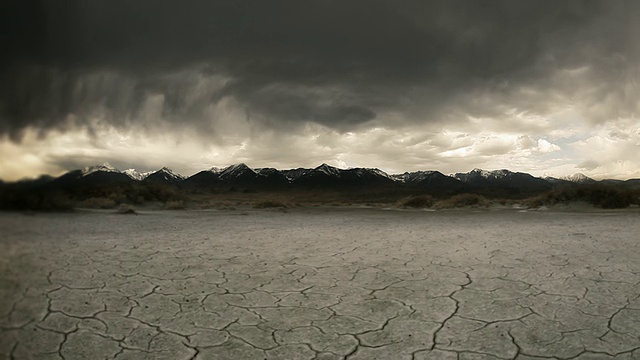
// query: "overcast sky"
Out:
[545,87]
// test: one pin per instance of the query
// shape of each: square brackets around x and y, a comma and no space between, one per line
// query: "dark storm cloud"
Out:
[337,63]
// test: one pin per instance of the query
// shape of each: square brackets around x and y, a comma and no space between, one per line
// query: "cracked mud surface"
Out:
[321,284]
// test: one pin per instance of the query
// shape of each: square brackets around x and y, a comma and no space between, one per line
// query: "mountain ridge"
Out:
[293,173]
[104,185]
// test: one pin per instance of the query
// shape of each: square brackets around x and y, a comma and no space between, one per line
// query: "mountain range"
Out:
[241,177]
[104,186]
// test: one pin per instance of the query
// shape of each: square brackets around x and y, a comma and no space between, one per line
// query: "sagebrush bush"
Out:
[162,192]
[56,202]
[19,200]
[417,202]
[98,203]
[269,204]
[536,201]
[462,200]
[607,198]
[126,209]
[174,205]
[603,196]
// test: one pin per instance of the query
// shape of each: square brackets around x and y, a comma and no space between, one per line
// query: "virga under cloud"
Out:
[401,85]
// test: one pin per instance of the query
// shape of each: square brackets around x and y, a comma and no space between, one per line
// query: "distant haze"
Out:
[544,87]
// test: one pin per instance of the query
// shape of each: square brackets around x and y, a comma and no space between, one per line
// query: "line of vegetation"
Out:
[462,200]
[35,201]
[266,204]
[602,196]
[18,197]
[417,202]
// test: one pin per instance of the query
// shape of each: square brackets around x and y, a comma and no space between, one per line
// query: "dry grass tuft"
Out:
[98,203]
[127,209]
[265,204]
[174,205]
[417,202]
[462,200]
[601,196]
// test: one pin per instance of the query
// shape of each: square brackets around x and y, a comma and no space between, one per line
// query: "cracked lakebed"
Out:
[321,284]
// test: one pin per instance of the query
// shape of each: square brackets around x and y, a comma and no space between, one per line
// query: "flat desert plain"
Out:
[321,283]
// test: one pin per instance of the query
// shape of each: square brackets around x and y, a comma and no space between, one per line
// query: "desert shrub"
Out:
[56,202]
[418,202]
[462,200]
[19,199]
[174,205]
[536,201]
[606,197]
[162,192]
[137,199]
[98,203]
[11,199]
[269,204]
[126,209]
[114,192]
[118,197]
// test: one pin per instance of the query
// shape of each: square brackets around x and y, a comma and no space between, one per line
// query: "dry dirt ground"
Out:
[321,284]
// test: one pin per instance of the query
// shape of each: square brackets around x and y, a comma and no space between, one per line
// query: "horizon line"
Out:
[107,164]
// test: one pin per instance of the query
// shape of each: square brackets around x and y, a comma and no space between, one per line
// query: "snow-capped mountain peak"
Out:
[483,173]
[379,172]
[104,167]
[137,175]
[375,171]
[265,171]
[328,169]
[170,173]
[500,173]
[235,170]
[294,174]
[577,178]
[417,176]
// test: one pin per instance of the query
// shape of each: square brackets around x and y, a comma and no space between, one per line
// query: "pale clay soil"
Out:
[321,284]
